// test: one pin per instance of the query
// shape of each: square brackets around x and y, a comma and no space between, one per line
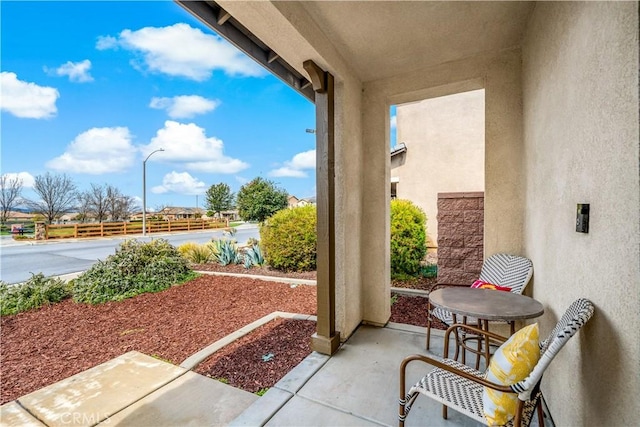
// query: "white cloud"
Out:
[97,151]
[188,144]
[295,168]
[394,122]
[27,100]
[181,50]
[106,42]
[28,180]
[185,106]
[241,179]
[77,71]
[181,183]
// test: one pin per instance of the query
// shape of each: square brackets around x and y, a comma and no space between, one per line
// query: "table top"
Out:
[486,304]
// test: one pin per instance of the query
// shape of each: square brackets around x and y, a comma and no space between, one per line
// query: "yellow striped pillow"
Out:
[512,362]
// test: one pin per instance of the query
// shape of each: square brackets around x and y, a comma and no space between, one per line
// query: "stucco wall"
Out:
[499,75]
[444,137]
[580,85]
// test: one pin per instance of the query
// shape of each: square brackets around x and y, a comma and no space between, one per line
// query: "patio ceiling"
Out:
[377,39]
[385,38]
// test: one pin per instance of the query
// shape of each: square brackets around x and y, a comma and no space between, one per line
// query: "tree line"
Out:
[57,195]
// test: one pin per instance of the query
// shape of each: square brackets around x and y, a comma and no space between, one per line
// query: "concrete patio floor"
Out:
[358,386]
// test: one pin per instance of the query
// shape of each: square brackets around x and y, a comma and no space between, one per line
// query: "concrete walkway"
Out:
[358,386]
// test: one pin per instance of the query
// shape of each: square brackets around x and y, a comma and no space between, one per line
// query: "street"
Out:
[56,257]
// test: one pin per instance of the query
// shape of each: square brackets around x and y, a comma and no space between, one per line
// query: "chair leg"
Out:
[428,324]
[517,422]
[479,349]
[444,412]
[540,413]
[458,345]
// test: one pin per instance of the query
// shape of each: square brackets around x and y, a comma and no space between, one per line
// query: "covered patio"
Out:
[561,82]
[561,130]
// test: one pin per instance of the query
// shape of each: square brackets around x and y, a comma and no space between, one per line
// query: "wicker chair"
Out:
[505,270]
[460,387]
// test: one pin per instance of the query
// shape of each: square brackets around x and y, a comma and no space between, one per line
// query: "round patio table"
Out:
[485,305]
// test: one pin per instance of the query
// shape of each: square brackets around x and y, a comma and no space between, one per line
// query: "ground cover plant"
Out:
[34,293]
[134,269]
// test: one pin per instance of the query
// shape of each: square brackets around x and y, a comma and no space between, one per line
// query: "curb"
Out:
[265,278]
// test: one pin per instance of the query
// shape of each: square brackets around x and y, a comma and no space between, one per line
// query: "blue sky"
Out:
[90,88]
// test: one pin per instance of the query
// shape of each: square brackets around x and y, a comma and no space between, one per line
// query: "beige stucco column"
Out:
[375,209]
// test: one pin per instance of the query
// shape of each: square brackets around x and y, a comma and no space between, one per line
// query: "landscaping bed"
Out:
[43,346]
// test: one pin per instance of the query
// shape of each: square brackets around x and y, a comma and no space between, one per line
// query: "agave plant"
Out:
[253,256]
[226,252]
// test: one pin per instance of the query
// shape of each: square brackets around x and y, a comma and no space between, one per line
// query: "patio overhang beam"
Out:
[220,21]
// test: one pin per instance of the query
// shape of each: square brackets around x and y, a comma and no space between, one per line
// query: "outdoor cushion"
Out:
[512,362]
[480,284]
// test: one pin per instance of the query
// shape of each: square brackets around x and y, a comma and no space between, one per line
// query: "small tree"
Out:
[117,205]
[10,197]
[84,206]
[97,200]
[219,198]
[259,199]
[57,195]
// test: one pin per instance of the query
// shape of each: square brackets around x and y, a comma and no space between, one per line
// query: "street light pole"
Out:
[144,192]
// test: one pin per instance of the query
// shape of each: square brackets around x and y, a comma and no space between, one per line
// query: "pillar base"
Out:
[325,345]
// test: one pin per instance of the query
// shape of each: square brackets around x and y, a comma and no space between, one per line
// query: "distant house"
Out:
[172,213]
[294,202]
[230,215]
[307,201]
[20,216]
[68,217]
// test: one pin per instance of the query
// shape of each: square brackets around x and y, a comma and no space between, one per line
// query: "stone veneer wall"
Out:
[460,237]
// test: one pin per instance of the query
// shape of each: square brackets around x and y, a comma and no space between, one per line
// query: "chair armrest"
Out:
[439,364]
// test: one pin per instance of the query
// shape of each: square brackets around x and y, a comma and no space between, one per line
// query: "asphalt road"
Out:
[53,258]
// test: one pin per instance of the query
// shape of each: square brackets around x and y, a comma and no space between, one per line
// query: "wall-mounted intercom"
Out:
[582,218]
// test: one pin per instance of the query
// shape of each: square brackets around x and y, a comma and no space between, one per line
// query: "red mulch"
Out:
[43,346]
[260,359]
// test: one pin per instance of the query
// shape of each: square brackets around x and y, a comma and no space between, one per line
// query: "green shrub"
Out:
[134,269]
[34,293]
[187,247]
[429,271]
[408,238]
[195,253]
[289,239]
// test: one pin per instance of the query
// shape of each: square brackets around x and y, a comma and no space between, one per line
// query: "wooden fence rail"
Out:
[105,229]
